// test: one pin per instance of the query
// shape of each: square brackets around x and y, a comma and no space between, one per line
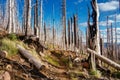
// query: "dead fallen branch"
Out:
[30,58]
[104,59]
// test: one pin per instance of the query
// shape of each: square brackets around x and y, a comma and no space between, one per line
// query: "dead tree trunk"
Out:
[28,17]
[94,41]
[75,31]
[104,59]
[116,51]
[108,39]
[112,48]
[53,28]
[30,58]
[41,18]
[11,21]
[64,23]
[72,33]
[44,32]
[36,19]
[69,33]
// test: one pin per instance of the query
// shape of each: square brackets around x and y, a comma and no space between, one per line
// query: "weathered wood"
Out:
[104,59]
[30,58]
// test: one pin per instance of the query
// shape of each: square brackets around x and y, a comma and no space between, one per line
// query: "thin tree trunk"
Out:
[64,23]
[28,18]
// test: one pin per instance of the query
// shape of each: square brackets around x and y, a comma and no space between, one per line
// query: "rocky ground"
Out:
[59,64]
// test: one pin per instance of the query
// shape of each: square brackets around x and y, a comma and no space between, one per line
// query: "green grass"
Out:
[52,61]
[95,73]
[9,46]
[116,74]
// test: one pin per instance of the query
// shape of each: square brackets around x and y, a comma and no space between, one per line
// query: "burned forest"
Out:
[59,39]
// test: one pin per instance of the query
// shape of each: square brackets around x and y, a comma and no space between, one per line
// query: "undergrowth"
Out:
[9,46]
[95,73]
[52,61]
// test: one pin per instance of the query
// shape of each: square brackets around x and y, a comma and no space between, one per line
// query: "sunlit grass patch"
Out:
[9,46]
[95,73]
[52,61]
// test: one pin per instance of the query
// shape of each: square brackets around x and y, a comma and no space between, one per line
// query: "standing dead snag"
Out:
[53,28]
[11,18]
[112,48]
[94,41]
[75,31]
[69,33]
[36,19]
[108,39]
[41,18]
[28,17]
[44,32]
[64,23]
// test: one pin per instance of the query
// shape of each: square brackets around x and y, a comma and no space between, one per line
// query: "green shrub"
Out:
[12,36]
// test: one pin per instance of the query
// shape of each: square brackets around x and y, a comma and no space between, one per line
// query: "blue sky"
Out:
[106,7]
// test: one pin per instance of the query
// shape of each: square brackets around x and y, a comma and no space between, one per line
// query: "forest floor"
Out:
[59,64]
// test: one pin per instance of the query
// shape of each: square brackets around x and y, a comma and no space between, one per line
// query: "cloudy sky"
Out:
[109,8]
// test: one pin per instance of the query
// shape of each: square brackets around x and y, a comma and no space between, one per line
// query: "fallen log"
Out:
[30,58]
[104,59]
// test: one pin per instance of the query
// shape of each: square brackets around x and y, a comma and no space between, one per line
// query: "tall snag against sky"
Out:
[94,40]
[64,23]
[36,18]
[11,18]
[41,17]
[28,17]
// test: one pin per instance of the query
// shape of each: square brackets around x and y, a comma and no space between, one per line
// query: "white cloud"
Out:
[109,6]
[104,34]
[104,23]
[84,24]
[117,17]
[101,23]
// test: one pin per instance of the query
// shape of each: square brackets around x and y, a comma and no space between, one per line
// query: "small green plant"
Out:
[95,73]
[12,36]
[116,74]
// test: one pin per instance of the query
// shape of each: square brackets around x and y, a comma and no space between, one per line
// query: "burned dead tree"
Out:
[53,28]
[116,49]
[64,23]
[44,32]
[93,32]
[75,31]
[71,20]
[11,27]
[108,39]
[36,19]
[28,17]
[112,45]
[69,33]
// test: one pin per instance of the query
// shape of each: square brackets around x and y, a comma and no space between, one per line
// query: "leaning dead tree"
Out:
[37,63]
[93,32]
[64,23]
[104,59]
